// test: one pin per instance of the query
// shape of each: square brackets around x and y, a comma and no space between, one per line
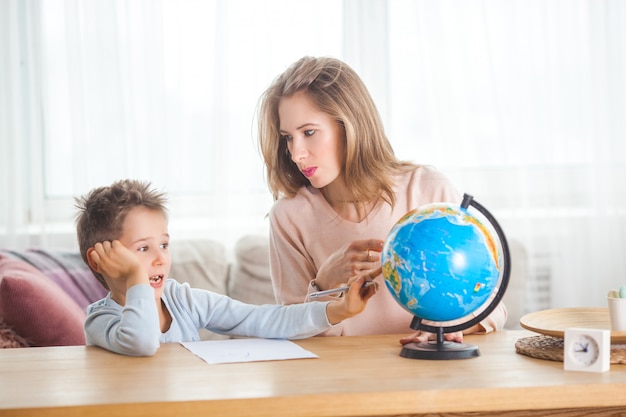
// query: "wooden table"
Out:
[353,376]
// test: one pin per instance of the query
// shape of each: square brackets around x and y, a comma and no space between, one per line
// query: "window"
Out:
[167,92]
[521,103]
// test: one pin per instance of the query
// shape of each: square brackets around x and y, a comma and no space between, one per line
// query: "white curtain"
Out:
[523,104]
[20,126]
[520,102]
[159,90]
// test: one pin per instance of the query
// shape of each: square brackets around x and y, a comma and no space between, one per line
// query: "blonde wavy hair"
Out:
[369,163]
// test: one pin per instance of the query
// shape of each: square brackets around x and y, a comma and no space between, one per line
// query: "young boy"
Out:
[123,237]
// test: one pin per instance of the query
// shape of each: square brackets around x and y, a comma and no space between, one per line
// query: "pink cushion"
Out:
[38,309]
[66,269]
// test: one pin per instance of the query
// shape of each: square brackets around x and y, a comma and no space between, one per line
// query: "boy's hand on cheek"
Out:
[118,263]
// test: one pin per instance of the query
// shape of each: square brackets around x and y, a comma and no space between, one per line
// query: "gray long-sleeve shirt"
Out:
[134,329]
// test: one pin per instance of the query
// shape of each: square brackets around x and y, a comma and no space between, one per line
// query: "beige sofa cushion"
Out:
[200,262]
[250,280]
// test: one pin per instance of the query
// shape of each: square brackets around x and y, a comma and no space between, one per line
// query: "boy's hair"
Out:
[102,211]
[334,88]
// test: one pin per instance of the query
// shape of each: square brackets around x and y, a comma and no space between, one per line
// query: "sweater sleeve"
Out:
[129,330]
[222,314]
[290,266]
[495,320]
[305,231]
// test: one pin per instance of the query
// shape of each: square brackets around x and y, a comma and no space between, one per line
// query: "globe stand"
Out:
[439,349]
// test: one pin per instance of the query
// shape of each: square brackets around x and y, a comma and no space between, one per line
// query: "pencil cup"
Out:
[617,313]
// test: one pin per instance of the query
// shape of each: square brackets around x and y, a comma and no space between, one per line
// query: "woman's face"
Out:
[314,139]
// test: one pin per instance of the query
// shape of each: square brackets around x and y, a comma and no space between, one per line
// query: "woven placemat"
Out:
[551,348]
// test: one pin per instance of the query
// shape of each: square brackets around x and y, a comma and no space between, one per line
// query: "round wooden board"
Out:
[553,322]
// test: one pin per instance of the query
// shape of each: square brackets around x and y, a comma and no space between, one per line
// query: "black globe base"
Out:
[439,351]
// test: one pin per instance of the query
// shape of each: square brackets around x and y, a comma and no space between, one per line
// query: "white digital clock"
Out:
[587,350]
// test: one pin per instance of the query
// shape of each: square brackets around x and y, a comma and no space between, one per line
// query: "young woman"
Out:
[339,189]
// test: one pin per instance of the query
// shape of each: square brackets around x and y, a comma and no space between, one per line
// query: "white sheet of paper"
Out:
[246,350]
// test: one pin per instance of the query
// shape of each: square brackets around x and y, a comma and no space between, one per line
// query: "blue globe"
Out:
[442,262]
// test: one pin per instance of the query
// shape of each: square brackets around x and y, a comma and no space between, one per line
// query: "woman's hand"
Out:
[421,337]
[357,258]
[353,302]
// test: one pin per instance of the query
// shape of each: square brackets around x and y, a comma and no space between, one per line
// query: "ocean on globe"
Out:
[442,262]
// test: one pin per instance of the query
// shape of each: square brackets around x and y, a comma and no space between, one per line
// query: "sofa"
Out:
[44,293]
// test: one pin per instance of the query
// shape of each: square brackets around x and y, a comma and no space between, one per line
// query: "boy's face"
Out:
[144,232]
